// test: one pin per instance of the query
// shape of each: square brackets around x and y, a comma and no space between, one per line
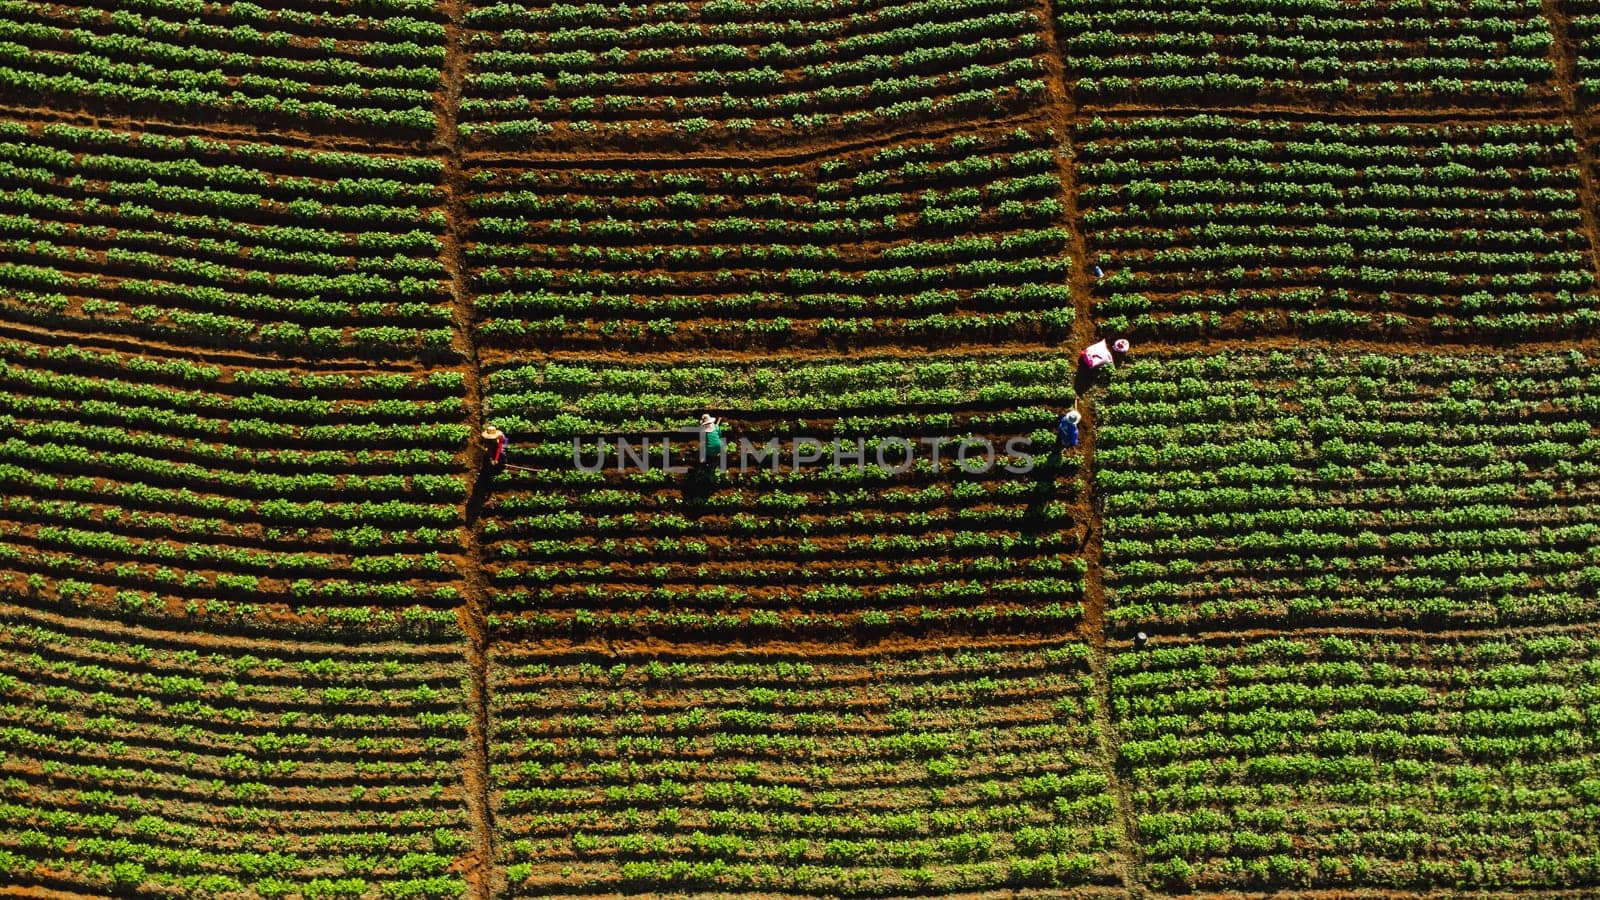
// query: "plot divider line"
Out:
[1565,56]
[1064,114]
[483,877]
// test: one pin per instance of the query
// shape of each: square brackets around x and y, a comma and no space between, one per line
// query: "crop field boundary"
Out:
[1066,113]
[480,868]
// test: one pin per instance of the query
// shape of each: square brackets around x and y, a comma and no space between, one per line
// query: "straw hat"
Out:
[490,433]
[1074,416]
[706,419]
[1121,346]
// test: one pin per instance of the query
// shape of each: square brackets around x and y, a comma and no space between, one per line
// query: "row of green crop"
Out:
[284,268]
[686,75]
[133,481]
[964,242]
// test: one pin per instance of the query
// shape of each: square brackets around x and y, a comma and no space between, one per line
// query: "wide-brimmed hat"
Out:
[1121,346]
[706,419]
[1074,416]
[491,432]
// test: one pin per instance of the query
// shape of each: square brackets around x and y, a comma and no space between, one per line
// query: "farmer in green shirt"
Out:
[711,436]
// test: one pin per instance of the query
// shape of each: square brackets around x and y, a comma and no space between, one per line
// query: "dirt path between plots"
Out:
[478,865]
[1092,628]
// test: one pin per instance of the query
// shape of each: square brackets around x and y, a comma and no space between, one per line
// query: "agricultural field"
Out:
[1310,488]
[1216,225]
[1306,604]
[830,776]
[925,243]
[962,515]
[610,74]
[1375,53]
[371,66]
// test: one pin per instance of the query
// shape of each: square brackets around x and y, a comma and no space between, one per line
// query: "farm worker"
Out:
[710,435]
[1067,429]
[1096,355]
[1098,273]
[494,444]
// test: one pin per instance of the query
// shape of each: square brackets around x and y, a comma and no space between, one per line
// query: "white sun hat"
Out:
[706,419]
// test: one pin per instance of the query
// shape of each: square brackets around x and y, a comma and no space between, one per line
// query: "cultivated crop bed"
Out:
[1221,225]
[720,71]
[1327,52]
[207,243]
[1286,489]
[785,544]
[921,243]
[1348,759]
[179,764]
[370,65]
[832,775]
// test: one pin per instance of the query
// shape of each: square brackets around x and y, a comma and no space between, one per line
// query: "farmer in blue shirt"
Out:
[1067,429]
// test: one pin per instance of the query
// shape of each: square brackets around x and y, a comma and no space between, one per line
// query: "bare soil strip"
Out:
[776,155]
[479,865]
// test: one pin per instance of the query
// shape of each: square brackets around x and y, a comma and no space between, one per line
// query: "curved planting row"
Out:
[1342,761]
[372,64]
[726,70]
[1294,489]
[813,775]
[1212,224]
[800,534]
[1384,52]
[209,243]
[164,764]
[173,488]
[916,243]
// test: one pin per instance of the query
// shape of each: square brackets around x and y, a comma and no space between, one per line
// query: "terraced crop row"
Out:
[210,243]
[886,520]
[138,761]
[1376,53]
[372,65]
[171,488]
